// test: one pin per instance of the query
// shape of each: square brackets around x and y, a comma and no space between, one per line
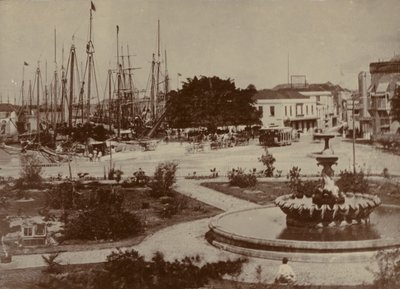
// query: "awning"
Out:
[382,87]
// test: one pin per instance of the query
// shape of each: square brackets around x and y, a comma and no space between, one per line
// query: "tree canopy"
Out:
[211,102]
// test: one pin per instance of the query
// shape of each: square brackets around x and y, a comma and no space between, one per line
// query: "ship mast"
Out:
[89,51]
[22,87]
[38,105]
[152,87]
[118,88]
[158,70]
[109,97]
[166,79]
[63,88]
[54,108]
[71,85]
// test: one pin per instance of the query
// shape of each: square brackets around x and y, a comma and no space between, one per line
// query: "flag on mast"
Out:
[92,6]
[26,63]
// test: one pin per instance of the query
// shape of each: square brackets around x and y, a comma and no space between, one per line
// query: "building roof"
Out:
[281,94]
[327,86]
[6,107]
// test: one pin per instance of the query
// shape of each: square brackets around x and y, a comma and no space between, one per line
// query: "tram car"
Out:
[276,136]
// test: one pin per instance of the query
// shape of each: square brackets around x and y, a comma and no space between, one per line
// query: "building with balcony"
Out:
[385,78]
[287,108]
[327,97]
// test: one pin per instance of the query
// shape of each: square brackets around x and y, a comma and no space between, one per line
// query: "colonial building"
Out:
[302,106]
[287,108]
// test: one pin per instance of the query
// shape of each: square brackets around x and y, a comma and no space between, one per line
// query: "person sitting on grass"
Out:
[285,273]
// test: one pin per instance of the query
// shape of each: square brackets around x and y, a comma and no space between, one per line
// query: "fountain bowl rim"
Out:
[306,246]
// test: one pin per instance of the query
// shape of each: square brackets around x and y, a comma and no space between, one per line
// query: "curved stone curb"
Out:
[305,251]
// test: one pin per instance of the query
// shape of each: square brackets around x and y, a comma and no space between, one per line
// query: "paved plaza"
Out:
[369,158]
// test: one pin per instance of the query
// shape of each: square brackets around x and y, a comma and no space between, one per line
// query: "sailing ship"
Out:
[56,115]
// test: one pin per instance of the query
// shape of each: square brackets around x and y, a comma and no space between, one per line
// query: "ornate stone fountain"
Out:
[327,206]
[315,227]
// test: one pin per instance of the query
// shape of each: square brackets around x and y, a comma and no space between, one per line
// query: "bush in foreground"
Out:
[268,161]
[350,182]
[31,172]
[104,218]
[164,178]
[129,270]
[388,274]
[237,177]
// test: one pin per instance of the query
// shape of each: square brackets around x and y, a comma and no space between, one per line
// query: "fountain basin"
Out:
[262,232]
[304,212]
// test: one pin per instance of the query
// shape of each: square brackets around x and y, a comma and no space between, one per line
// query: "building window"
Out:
[260,109]
[306,109]
[285,110]
[28,231]
[272,110]
[290,110]
[299,109]
[40,229]
[312,109]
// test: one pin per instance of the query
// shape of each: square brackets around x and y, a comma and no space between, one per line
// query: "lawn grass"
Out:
[264,193]
[136,200]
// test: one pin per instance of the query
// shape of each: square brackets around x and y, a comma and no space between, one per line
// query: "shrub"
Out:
[298,187]
[103,218]
[172,206]
[31,172]
[294,180]
[129,270]
[308,188]
[237,177]
[350,182]
[139,179]
[388,274]
[385,173]
[164,178]
[268,161]
[60,196]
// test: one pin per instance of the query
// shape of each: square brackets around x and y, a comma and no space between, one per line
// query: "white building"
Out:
[287,108]
[326,107]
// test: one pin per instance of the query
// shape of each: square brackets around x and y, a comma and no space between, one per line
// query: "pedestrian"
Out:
[285,273]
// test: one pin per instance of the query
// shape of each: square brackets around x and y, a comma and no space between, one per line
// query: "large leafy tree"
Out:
[211,102]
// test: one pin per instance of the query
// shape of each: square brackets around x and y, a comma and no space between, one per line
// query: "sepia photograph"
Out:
[200,144]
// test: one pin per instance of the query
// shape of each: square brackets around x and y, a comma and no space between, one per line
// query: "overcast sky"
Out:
[248,41]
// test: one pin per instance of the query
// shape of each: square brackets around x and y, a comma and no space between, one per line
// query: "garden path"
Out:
[193,189]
